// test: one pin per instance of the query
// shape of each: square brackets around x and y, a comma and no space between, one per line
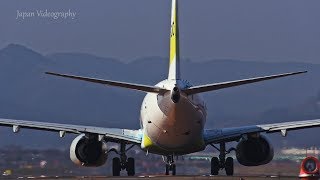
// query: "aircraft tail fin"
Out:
[174,61]
[138,87]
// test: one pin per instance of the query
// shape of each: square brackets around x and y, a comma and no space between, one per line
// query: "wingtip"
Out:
[301,72]
[50,73]
[298,72]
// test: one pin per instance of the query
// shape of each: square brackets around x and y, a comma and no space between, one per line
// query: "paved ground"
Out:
[165,177]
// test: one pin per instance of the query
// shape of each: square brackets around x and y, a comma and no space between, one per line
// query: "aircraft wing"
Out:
[213,136]
[110,134]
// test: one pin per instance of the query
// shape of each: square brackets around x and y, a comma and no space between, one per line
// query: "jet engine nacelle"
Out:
[309,168]
[88,151]
[254,151]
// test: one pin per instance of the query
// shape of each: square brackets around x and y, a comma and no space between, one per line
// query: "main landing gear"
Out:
[123,163]
[222,162]
[170,165]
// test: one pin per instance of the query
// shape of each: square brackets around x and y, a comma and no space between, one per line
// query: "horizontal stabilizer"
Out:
[138,87]
[217,86]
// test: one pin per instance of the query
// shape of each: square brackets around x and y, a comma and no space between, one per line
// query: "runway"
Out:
[157,177]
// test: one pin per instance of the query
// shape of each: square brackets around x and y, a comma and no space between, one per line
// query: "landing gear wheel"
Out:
[123,162]
[130,167]
[222,162]
[170,166]
[167,169]
[173,169]
[215,166]
[229,166]
[116,166]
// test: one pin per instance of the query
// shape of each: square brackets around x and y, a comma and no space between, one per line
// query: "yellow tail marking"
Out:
[173,36]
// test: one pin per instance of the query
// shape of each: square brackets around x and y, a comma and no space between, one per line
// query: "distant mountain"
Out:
[27,93]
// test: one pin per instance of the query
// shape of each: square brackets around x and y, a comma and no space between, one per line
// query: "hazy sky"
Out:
[269,30]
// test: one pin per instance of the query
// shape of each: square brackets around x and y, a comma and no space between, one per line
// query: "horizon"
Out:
[10,45]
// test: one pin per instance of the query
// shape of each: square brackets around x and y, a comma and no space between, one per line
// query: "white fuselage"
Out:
[173,128]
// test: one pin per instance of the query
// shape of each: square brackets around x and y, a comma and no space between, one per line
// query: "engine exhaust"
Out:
[175,95]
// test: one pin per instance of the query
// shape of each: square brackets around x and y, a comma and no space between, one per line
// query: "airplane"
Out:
[172,118]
